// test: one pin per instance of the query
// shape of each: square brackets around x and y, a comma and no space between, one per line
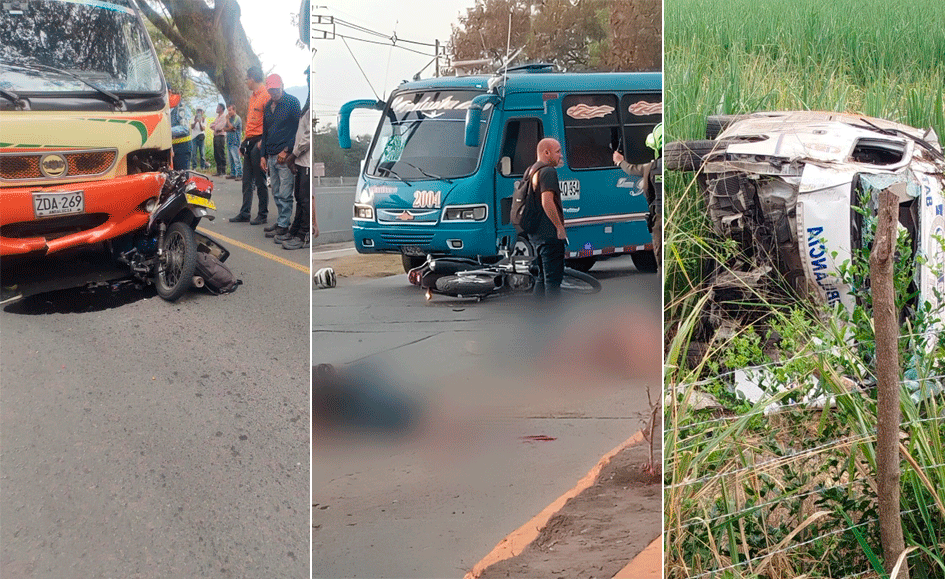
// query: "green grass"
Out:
[738,56]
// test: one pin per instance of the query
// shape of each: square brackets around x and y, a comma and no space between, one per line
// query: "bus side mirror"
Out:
[474,117]
[505,166]
[344,118]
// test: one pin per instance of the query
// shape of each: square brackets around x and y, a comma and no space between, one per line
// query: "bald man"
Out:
[550,239]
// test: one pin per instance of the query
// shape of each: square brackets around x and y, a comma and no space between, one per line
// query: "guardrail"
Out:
[334,197]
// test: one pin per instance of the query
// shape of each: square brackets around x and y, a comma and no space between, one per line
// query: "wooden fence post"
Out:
[886,327]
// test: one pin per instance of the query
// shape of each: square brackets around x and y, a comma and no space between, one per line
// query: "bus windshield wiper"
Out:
[438,178]
[112,97]
[391,172]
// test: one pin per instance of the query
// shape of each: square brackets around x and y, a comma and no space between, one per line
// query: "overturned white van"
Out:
[787,185]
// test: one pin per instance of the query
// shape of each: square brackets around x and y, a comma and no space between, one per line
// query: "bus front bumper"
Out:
[109,209]
[418,241]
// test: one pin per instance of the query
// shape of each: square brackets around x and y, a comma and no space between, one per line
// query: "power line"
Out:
[393,38]
[394,45]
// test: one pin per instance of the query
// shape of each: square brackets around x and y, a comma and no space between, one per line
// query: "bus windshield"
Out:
[422,137]
[67,46]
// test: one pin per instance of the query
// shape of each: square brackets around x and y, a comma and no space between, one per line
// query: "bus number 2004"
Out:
[426,199]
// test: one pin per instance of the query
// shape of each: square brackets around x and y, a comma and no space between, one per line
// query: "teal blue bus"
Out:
[441,169]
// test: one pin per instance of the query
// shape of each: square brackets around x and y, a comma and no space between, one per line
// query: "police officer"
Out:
[652,174]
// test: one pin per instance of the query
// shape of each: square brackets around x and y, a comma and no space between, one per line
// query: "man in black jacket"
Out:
[280,122]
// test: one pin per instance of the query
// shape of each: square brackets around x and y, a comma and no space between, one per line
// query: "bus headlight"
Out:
[465,213]
[363,212]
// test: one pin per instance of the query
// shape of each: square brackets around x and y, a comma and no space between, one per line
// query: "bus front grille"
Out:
[404,238]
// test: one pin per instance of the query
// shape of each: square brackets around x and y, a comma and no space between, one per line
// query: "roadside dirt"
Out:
[354,267]
[599,531]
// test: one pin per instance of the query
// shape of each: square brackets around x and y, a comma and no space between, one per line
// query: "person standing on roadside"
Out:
[234,134]
[550,239]
[652,185]
[280,122]
[219,140]
[299,163]
[253,173]
[197,136]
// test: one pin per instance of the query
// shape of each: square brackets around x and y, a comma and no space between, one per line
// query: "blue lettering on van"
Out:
[818,259]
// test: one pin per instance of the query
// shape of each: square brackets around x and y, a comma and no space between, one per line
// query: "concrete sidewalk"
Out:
[648,564]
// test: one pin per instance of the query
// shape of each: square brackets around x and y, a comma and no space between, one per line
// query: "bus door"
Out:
[517,152]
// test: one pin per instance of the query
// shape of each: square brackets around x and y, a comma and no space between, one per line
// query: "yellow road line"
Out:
[266,254]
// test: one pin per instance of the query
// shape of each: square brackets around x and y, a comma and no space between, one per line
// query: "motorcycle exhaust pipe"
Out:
[198,281]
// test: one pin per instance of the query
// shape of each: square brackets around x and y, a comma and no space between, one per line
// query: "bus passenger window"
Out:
[591,130]
[521,142]
[640,114]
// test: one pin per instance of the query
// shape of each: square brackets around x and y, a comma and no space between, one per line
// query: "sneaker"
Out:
[297,242]
[271,228]
[9,294]
[230,177]
[239,219]
[277,231]
[259,219]
[284,237]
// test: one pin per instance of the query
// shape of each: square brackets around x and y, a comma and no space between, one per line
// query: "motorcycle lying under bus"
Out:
[165,251]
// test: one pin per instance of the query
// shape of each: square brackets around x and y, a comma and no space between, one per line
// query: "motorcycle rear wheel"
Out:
[579,283]
[466,285]
[175,272]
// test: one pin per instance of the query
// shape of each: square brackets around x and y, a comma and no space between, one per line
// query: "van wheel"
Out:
[689,155]
[411,261]
[715,124]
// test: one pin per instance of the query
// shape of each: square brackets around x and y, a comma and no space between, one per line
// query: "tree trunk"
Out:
[214,42]
[886,324]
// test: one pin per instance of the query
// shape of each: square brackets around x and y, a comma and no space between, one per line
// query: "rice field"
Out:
[726,516]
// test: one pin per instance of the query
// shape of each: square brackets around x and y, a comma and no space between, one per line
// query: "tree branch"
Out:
[166,28]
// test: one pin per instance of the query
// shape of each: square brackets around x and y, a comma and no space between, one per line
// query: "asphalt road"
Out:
[154,439]
[508,407]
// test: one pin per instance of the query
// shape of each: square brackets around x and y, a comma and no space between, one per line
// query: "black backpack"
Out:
[525,212]
[216,276]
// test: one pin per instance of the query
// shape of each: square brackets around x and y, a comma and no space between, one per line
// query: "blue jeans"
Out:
[182,155]
[282,182]
[198,159]
[236,165]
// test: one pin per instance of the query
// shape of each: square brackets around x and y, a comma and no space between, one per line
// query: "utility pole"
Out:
[437,57]
[327,24]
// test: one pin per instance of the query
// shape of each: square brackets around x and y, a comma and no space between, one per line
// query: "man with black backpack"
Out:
[548,236]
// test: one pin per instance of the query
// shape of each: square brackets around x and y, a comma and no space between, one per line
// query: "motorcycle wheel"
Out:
[175,273]
[466,285]
[579,283]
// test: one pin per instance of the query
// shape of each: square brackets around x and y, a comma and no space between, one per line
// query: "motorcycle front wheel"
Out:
[175,271]
[578,282]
